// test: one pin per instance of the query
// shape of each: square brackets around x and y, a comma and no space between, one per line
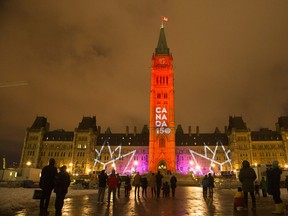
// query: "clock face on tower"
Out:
[161,61]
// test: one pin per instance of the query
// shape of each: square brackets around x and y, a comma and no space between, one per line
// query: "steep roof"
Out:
[210,139]
[124,139]
[236,123]
[40,122]
[162,48]
[59,135]
[88,123]
[265,135]
[283,122]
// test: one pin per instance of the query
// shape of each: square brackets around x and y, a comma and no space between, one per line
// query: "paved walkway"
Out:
[188,201]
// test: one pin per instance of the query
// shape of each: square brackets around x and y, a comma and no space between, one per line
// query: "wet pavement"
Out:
[188,201]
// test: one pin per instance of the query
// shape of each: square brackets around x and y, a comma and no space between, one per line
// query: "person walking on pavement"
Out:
[205,185]
[48,174]
[211,184]
[152,184]
[247,177]
[118,184]
[62,182]
[263,187]
[112,186]
[257,188]
[144,184]
[127,186]
[136,183]
[159,178]
[102,177]
[273,179]
[173,182]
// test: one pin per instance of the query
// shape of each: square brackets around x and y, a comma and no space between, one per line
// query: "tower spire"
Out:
[162,48]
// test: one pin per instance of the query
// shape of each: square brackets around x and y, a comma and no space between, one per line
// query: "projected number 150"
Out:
[160,122]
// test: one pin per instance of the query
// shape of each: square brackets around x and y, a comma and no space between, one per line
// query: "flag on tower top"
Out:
[165,19]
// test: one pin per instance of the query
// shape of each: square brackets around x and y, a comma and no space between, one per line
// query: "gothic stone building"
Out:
[86,149]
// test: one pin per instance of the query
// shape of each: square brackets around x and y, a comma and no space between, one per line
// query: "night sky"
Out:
[86,58]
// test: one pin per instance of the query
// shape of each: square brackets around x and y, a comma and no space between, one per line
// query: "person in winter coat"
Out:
[62,182]
[159,178]
[119,184]
[144,185]
[112,186]
[205,185]
[263,187]
[102,186]
[173,182]
[273,179]
[247,176]
[152,184]
[211,184]
[136,184]
[238,199]
[48,174]
[127,186]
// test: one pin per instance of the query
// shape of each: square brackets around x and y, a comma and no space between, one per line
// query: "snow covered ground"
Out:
[18,198]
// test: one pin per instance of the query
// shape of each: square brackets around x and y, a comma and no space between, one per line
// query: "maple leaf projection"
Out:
[208,150]
[115,155]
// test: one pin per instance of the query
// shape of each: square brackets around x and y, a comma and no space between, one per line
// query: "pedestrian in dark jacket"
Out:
[159,178]
[102,185]
[48,174]
[127,186]
[62,182]
[211,184]
[144,185]
[273,179]
[118,184]
[263,187]
[173,182]
[205,185]
[247,177]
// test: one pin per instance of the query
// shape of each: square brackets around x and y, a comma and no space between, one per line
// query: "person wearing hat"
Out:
[273,179]
[247,176]
[62,182]
[48,174]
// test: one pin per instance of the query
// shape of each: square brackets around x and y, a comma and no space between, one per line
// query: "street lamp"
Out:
[28,163]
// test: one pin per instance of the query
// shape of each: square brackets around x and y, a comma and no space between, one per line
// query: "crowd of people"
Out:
[139,182]
[51,180]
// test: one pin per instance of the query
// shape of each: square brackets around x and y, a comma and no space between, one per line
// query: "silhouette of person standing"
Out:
[247,177]
[112,186]
[48,174]
[62,182]
[159,178]
[173,182]
[137,182]
[152,184]
[273,178]
[102,186]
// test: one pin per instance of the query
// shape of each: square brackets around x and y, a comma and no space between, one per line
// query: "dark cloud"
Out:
[94,58]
